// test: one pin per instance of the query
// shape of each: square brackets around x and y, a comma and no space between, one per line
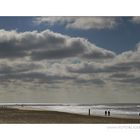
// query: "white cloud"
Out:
[40,67]
[84,23]
[61,56]
[48,45]
[43,57]
[123,69]
[136,20]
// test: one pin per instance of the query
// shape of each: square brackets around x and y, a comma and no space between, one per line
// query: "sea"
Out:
[120,110]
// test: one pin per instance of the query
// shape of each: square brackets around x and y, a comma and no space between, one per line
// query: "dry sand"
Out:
[31,116]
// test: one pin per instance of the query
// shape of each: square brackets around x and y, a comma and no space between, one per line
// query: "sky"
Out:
[70,59]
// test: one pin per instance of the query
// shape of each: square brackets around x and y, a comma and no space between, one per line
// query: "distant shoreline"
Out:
[11,115]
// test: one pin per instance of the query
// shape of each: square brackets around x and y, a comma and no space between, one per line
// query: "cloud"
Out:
[98,82]
[121,75]
[18,67]
[58,66]
[84,68]
[133,80]
[95,54]
[36,57]
[48,45]
[74,47]
[84,23]
[14,71]
[136,20]
[125,62]
[123,69]
[35,77]
[102,68]
[60,52]
[47,59]
[93,23]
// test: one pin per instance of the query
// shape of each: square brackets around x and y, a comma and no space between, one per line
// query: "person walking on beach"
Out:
[105,113]
[108,113]
[89,112]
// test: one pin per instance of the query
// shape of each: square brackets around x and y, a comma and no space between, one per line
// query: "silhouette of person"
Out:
[108,113]
[89,112]
[105,113]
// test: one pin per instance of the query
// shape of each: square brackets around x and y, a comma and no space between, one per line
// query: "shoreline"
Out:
[18,116]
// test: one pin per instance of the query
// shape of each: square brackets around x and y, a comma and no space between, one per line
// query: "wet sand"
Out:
[8,116]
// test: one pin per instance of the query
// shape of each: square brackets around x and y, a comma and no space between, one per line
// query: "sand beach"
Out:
[18,116]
